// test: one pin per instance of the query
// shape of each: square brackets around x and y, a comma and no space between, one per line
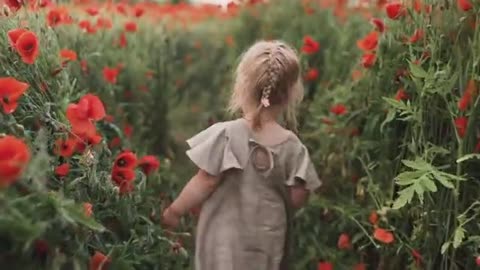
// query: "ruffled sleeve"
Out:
[303,169]
[210,150]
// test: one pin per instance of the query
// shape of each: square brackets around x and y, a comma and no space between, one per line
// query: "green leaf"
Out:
[419,190]
[444,181]
[445,247]
[399,105]
[405,197]
[437,150]
[467,157]
[417,71]
[409,175]
[429,184]
[120,265]
[418,164]
[390,117]
[74,214]
[458,237]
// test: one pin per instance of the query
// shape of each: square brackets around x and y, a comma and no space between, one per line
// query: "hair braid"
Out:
[272,74]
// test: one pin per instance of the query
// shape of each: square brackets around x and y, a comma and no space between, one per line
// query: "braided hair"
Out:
[268,77]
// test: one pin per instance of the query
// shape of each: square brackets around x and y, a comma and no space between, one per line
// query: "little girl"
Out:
[252,172]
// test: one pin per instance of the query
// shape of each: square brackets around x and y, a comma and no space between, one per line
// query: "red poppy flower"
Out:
[92,11]
[109,118]
[369,42]
[56,16]
[14,5]
[88,209]
[68,55]
[461,125]
[27,47]
[360,266]
[149,74]
[122,42]
[128,130]
[464,102]
[325,266]
[115,142]
[379,25]
[477,147]
[41,247]
[148,164]
[131,27]
[91,29]
[62,170]
[94,140]
[232,7]
[84,66]
[310,46]
[311,75]
[84,25]
[417,6]
[126,160]
[417,257]
[121,175]
[464,5]
[10,92]
[383,236]
[65,148]
[395,10]
[368,60]
[122,9]
[14,156]
[126,187]
[229,41]
[357,74]
[14,34]
[82,115]
[87,139]
[401,95]
[417,35]
[110,74]
[477,261]
[99,261]
[373,218]
[104,23]
[428,9]
[138,11]
[381,3]
[354,132]
[467,96]
[143,88]
[338,109]
[254,2]
[344,242]
[327,121]
[425,55]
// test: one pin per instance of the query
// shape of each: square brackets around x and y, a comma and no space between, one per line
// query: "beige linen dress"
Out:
[246,223]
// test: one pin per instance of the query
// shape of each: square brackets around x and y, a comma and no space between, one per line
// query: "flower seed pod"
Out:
[20,129]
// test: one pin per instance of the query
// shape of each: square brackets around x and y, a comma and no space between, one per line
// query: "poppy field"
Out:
[97,99]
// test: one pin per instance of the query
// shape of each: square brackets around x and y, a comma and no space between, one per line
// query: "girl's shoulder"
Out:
[218,129]
[238,132]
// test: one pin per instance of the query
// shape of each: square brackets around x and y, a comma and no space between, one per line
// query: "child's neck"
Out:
[265,118]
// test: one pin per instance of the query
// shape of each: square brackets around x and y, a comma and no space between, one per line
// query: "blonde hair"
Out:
[268,77]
